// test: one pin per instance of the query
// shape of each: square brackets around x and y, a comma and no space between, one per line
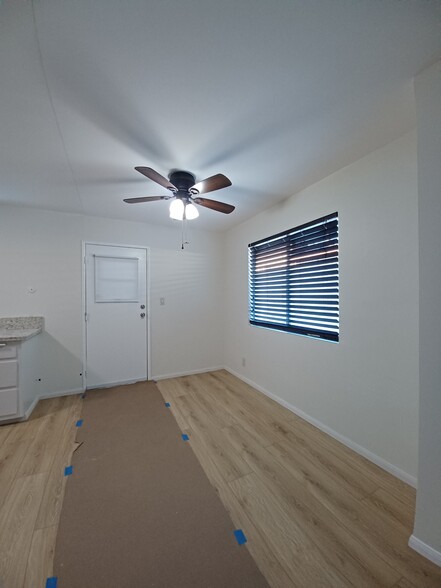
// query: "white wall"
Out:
[42,249]
[427,532]
[364,388]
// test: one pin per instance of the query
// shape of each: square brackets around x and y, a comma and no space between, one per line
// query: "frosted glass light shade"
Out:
[191,211]
[177,209]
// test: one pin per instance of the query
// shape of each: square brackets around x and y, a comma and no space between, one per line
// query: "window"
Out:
[293,280]
[116,279]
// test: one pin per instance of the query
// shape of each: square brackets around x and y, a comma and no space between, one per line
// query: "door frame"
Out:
[83,302]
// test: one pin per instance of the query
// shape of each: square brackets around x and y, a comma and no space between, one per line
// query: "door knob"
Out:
[142,315]
[142,306]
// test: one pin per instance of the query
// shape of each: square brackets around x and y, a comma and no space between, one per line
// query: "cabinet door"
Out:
[8,402]
[8,373]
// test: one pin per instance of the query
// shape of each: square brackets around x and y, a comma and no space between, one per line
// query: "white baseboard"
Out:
[63,393]
[190,373]
[34,403]
[31,408]
[376,459]
[118,383]
[425,550]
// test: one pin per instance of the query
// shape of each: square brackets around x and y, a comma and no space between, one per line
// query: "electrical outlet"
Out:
[244,362]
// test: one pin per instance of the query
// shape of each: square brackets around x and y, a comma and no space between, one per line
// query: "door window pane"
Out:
[116,279]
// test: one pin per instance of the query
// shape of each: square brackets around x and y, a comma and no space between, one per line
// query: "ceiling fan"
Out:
[185,192]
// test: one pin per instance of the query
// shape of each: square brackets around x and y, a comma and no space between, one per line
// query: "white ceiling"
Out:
[275,95]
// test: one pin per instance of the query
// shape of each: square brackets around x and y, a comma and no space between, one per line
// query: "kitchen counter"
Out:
[20,328]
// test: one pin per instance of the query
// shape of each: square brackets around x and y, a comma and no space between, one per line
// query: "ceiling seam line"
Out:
[54,112]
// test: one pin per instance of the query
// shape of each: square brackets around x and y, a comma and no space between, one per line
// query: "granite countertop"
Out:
[20,328]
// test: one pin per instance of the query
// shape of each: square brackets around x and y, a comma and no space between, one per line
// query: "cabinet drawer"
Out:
[8,373]
[8,402]
[8,351]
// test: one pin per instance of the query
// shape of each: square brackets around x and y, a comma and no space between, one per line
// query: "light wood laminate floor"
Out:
[33,455]
[315,513]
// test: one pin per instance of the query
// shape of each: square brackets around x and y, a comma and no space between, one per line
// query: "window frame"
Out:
[323,305]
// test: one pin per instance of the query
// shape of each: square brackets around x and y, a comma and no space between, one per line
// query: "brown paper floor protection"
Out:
[138,510]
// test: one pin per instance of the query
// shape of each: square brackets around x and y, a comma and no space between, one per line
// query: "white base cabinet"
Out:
[18,378]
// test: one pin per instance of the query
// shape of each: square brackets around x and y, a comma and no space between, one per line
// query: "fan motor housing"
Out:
[183,181]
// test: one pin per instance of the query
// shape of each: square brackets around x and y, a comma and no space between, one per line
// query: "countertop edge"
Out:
[16,337]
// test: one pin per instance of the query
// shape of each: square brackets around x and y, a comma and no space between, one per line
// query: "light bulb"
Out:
[177,209]
[191,211]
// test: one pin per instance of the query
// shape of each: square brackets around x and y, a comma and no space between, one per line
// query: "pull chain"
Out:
[184,232]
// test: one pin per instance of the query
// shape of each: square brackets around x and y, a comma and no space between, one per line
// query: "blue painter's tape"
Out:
[167,404]
[68,470]
[240,536]
[51,582]
[185,437]
[79,423]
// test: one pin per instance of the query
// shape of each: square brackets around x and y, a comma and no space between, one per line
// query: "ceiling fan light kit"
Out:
[185,193]
[180,210]
[177,209]
[190,211]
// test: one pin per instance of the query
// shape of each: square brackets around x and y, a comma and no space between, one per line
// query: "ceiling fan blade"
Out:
[146,199]
[153,175]
[211,184]
[214,205]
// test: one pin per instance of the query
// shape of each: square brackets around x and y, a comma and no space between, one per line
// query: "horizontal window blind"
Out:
[293,280]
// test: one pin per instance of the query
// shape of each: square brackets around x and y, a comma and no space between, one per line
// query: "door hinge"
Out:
[85,317]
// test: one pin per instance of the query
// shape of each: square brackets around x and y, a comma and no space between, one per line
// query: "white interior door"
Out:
[116,315]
